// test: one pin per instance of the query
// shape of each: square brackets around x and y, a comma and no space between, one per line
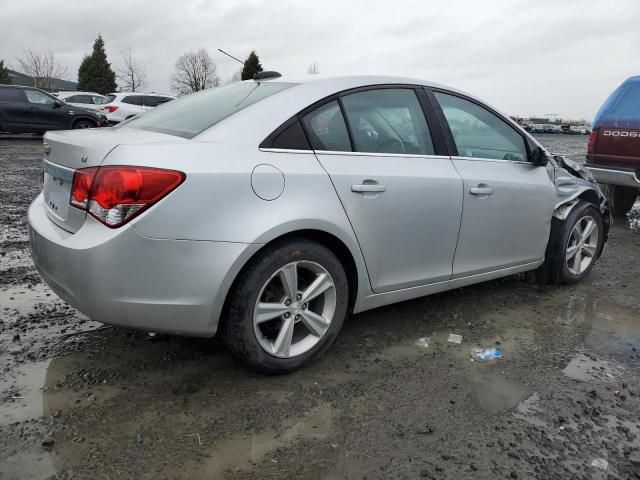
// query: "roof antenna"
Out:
[229,55]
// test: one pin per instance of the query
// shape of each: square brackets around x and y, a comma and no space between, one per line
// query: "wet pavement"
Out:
[393,398]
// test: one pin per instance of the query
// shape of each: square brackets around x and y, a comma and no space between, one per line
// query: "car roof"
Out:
[143,94]
[68,92]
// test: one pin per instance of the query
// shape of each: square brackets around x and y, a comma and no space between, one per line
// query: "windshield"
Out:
[193,114]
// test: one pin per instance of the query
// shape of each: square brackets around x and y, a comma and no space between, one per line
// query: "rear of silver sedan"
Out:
[92,256]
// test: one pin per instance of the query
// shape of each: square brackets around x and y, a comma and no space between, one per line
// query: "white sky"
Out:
[523,56]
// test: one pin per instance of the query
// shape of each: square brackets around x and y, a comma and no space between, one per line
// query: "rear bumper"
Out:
[121,277]
[615,176]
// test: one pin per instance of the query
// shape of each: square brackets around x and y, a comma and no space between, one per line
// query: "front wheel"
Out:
[575,245]
[83,124]
[287,306]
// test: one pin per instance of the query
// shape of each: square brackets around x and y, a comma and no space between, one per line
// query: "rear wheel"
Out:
[621,199]
[286,307]
[83,124]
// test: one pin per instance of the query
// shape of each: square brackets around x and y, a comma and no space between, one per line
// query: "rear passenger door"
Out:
[398,187]
[14,111]
[134,105]
[508,202]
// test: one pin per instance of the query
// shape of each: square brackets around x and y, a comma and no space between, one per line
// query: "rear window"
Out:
[193,114]
[109,98]
[10,95]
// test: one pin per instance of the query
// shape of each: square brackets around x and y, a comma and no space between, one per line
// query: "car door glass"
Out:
[388,120]
[133,100]
[84,99]
[326,128]
[478,133]
[34,96]
[10,95]
[97,100]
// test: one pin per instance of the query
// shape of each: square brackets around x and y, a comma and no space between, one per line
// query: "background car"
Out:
[268,210]
[124,105]
[31,110]
[613,152]
[90,100]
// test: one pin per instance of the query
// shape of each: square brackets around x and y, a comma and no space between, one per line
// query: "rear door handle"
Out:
[368,187]
[482,190]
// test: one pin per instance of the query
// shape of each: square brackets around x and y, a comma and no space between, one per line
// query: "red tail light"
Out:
[110,108]
[116,194]
[591,146]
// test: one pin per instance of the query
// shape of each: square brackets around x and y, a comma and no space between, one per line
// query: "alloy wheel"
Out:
[294,309]
[582,245]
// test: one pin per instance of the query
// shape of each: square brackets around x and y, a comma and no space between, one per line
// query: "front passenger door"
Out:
[508,202]
[47,113]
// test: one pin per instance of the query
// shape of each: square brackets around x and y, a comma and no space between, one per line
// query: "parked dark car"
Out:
[31,110]
[613,153]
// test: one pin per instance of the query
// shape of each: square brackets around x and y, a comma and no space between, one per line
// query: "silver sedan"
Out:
[268,210]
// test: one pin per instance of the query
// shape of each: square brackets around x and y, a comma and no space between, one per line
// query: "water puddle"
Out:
[31,465]
[20,299]
[243,453]
[496,393]
[22,393]
[529,409]
[585,368]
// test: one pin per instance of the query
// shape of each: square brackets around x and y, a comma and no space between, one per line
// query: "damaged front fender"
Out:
[573,183]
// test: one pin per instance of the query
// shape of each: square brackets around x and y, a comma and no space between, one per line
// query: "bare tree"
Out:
[194,71]
[313,69]
[43,67]
[133,74]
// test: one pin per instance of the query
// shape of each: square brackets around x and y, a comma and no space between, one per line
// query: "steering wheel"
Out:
[391,145]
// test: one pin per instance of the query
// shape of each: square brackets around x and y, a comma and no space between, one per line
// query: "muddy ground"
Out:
[79,400]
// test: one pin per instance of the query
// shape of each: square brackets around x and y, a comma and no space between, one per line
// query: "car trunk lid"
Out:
[67,151]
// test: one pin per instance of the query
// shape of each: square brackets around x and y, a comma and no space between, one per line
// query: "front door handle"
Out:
[368,188]
[482,190]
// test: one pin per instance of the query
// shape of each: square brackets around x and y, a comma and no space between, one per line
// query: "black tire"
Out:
[621,199]
[555,269]
[82,123]
[237,329]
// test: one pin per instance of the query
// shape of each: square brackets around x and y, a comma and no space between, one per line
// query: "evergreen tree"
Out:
[251,66]
[95,73]
[4,74]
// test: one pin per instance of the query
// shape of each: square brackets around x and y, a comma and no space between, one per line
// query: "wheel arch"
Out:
[352,262]
[84,117]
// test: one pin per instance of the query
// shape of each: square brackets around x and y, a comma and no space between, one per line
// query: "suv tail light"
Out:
[116,194]
[110,108]
[591,146]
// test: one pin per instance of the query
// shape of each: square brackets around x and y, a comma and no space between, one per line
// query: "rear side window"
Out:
[109,98]
[478,133]
[290,136]
[11,95]
[132,100]
[150,101]
[388,120]
[327,129]
[193,114]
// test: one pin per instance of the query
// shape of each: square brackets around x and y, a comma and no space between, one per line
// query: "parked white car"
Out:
[124,105]
[90,100]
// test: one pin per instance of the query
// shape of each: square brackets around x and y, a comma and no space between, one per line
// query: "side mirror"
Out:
[538,158]
[57,104]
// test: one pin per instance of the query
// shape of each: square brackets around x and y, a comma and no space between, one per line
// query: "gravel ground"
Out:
[78,400]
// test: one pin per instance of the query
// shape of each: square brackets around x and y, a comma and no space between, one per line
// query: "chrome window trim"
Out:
[494,160]
[351,154]
[378,154]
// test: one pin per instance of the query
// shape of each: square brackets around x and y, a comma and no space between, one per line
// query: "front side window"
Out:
[478,133]
[326,128]
[193,114]
[388,120]
[37,97]
[97,100]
